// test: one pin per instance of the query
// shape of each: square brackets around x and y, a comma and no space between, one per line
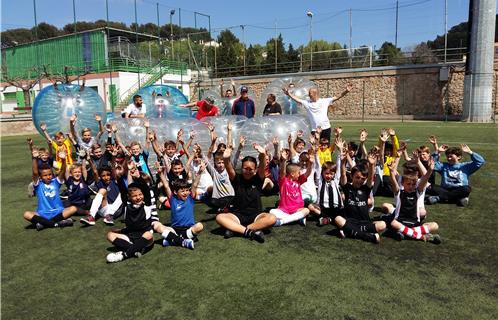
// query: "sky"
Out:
[373,22]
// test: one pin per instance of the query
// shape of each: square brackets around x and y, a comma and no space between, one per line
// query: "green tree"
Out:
[254,59]
[275,47]
[17,36]
[229,53]
[46,31]
[388,54]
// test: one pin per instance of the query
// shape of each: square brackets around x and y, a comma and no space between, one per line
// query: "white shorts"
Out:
[286,217]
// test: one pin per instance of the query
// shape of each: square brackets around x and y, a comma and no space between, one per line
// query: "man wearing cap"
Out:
[206,108]
[244,106]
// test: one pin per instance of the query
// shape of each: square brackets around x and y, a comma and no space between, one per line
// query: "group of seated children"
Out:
[117,182]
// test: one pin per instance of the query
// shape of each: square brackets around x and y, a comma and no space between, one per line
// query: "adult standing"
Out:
[272,107]
[137,109]
[206,108]
[317,108]
[244,106]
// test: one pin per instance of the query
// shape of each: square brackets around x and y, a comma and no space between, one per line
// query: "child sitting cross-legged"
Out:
[291,204]
[406,216]
[355,221]
[50,212]
[184,229]
[137,236]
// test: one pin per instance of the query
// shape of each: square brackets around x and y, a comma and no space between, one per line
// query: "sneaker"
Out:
[258,236]
[228,234]
[107,220]
[39,226]
[432,238]
[433,199]
[399,236]
[31,190]
[166,243]
[463,202]
[302,222]
[88,220]
[115,257]
[374,238]
[323,221]
[278,223]
[65,223]
[188,243]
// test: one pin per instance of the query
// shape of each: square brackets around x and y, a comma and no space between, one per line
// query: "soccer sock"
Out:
[122,244]
[248,233]
[97,201]
[353,231]
[416,232]
[44,222]
[190,234]
[140,244]
[172,238]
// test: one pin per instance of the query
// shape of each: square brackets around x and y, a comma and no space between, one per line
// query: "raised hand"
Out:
[82,153]
[443,148]
[29,141]
[43,126]
[275,141]
[152,136]
[349,86]
[108,128]
[230,126]
[73,118]
[363,135]
[339,143]
[146,123]
[300,133]
[319,130]
[433,140]
[259,148]
[402,146]
[210,127]
[98,118]
[192,134]
[391,131]
[372,158]
[179,134]
[465,148]
[114,128]
[289,139]
[242,141]
[62,154]
[383,135]
[202,167]
[286,91]
[392,165]
[35,153]
[284,155]
[228,152]
[337,131]
[430,164]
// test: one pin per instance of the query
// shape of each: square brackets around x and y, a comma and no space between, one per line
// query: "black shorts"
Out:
[244,218]
[222,203]
[410,223]
[331,212]
[363,225]
[83,205]
[134,235]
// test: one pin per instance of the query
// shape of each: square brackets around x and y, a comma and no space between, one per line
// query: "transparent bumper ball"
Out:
[163,101]
[54,106]
[298,86]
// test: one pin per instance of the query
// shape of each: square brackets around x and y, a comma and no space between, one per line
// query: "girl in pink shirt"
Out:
[291,204]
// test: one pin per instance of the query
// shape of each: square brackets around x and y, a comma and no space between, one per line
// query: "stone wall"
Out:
[382,92]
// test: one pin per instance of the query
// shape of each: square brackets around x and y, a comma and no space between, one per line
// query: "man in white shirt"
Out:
[136,109]
[317,108]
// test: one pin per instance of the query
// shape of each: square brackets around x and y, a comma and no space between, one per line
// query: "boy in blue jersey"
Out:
[183,230]
[455,186]
[50,212]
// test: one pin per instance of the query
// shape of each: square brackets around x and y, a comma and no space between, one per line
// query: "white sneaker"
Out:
[115,257]
[31,190]
[108,220]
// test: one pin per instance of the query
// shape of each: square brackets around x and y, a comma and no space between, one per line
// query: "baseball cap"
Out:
[209,99]
[244,89]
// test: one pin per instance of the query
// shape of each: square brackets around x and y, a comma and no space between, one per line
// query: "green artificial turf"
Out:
[298,273]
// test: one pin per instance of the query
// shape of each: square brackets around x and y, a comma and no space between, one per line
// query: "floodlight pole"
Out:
[310,15]
[171,13]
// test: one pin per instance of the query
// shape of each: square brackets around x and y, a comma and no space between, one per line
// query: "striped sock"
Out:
[415,233]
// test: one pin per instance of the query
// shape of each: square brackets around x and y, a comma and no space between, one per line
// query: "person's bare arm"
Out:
[261,159]
[62,173]
[34,165]
[425,178]
[147,133]
[98,118]
[43,128]
[348,89]
[393,173]
[228,164]
[229,133]
[284,157]
[372,160]
[292,96]
[72,124]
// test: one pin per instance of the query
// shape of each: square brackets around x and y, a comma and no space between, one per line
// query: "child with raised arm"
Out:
[246,216]
[184,229]
[50,212]
[223,192]
[455,175]
[355,221]
[194,165]
[59,143]
[405,219]
[86,140]
[291,205]
[44,158]
[78,194]
[137,236]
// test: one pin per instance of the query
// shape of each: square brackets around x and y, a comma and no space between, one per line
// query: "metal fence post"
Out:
[363,103]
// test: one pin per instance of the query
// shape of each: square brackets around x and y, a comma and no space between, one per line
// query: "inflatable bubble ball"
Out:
[163,101]
[298,86]
[55,105]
